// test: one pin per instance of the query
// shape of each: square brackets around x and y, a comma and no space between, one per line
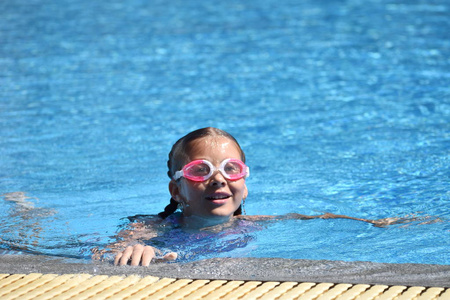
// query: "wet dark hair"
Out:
[178,158]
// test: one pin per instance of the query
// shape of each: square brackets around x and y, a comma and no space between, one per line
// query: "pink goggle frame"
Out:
[201,170]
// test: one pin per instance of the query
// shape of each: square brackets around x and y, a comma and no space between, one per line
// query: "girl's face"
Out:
[217,197]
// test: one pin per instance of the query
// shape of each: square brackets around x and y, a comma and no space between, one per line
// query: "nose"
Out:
[217,179]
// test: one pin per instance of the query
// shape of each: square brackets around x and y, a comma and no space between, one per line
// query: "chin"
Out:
[219,215]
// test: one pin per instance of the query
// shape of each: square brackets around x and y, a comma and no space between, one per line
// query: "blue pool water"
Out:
[350,98]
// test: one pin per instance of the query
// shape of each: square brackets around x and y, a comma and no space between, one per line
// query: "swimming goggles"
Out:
[201,170]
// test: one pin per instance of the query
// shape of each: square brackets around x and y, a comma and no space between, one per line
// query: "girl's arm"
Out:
[139,254]
[291,216]
[377,223]
[130,251]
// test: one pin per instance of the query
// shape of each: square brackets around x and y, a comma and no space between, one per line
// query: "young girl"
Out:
[208,172]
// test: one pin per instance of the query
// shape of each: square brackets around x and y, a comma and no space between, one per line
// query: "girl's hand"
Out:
[140,255]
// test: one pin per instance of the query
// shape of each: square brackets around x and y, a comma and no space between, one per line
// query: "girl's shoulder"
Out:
[173,219]
[143,218]
[256,218]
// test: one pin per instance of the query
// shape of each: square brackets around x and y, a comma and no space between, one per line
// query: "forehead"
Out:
[213,148]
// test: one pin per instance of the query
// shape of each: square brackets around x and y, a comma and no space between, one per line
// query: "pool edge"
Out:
[245,269]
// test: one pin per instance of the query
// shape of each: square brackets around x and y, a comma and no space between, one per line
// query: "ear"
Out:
[174,191]
[245,192]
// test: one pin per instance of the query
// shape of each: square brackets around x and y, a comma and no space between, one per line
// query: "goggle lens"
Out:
[199,169]
[234,169]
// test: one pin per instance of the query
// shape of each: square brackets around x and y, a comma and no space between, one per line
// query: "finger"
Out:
[147,256]
[136,256]
[170,256]
[126,254]
[117,258]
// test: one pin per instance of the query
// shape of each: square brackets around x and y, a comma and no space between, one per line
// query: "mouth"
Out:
[218,198]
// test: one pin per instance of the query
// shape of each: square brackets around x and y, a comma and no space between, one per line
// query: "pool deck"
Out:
[29,276]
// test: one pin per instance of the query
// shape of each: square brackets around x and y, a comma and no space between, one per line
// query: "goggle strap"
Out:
[178,175]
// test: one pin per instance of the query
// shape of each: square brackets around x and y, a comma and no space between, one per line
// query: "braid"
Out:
[170,209]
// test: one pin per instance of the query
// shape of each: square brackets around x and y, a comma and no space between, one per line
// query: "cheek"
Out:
[188,189]
[239,188]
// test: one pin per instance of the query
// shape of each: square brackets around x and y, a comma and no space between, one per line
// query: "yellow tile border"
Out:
[84,286]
